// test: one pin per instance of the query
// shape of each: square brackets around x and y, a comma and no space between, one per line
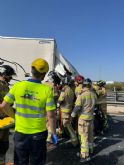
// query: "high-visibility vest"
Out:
[32,101]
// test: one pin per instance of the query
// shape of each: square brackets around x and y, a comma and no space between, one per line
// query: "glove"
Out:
[58,105]
[73,114]
[54,139]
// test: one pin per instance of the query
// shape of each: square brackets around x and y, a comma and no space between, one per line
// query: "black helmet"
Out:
[68,80]
[101,83]
[54,77]
[87,82]
[6,70]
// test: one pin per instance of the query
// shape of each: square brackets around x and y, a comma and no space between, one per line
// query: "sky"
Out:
[89,33]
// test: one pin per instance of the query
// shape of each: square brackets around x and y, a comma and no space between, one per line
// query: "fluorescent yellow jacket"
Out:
[32,100]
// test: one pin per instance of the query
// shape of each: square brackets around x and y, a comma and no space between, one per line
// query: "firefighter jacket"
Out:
[84,105]
[101,93]
[78,90]
[4,88]
[66,99]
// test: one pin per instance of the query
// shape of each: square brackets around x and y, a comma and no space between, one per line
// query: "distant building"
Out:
[109,82]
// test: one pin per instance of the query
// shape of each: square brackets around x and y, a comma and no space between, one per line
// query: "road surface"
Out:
[109,148]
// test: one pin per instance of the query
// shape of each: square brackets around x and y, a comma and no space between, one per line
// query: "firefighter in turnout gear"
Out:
[101,92]
[6,73]
[79,84]
[78,81]
[66,102]
[84,108]
[54,82]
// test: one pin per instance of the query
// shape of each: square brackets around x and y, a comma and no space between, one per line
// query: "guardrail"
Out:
[115,97]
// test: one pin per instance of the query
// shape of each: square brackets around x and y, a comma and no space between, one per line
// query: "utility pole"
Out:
[100,73]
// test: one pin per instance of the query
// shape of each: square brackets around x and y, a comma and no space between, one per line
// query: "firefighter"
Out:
[78,90]
[102,103]
[66,102]
[84,106]
[54,82]
[6,73]
[79,84]
[34,102]
[98,116]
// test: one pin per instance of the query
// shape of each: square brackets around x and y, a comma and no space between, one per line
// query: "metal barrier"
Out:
[115,97]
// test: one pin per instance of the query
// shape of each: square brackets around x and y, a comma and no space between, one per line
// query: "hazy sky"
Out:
[89,33]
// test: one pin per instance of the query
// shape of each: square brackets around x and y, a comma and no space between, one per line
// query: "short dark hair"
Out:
[35,73]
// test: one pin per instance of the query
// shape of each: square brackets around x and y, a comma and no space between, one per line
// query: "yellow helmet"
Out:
[40,65]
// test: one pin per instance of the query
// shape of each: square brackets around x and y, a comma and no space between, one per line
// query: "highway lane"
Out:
[109,148]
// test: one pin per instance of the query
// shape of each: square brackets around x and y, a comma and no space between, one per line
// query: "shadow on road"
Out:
[117,126]
[65,154]
[109,149]
[115,134]
[111,159]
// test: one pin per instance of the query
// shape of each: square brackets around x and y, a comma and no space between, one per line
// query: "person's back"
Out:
[32,100]
[66,101]
[84,106]
[67,98]
[88,102]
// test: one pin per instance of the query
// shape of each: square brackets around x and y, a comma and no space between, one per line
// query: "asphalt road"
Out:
[109,148]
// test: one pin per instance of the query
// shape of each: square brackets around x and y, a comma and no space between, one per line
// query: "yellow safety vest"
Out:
[32,100]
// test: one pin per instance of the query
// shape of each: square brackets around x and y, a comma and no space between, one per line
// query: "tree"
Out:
[118,86]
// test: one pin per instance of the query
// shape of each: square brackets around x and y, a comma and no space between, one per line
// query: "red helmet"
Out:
[79,79]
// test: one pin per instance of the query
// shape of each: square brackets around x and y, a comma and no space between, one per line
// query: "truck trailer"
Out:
[20,52]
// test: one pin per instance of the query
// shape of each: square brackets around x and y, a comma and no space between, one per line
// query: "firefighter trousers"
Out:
[85,131]
[66,121]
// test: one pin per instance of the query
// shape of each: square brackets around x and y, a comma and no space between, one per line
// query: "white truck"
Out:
[20,52]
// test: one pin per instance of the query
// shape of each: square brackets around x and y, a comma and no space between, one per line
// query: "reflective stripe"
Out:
[30,115]
[50,104]
[84,150]
[29,107]
[65,110]
[86,117]
[61,99]
[86,147]
[10,96]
